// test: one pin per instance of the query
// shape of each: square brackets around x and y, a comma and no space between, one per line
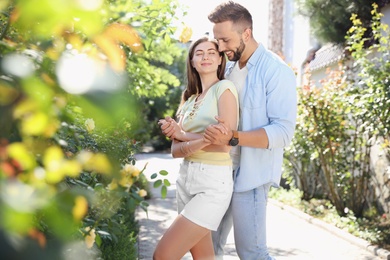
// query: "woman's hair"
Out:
[194,85]
[234,12]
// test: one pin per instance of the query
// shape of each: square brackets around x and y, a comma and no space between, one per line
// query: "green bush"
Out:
[72,80]
[340,121]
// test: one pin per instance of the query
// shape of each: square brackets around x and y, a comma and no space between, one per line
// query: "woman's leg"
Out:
[203,250]
[181,237]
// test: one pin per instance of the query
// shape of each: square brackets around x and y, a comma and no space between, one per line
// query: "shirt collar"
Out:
[255,56]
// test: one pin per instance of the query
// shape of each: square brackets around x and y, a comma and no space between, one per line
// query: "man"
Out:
[268,105]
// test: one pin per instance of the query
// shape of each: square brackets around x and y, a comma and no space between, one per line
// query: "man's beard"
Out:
[239,51]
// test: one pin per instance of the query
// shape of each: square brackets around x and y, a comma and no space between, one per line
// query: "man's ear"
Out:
[247,34]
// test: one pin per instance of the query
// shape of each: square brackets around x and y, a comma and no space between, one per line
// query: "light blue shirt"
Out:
[269,101]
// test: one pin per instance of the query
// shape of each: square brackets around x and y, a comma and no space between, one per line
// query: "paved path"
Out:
[292,235]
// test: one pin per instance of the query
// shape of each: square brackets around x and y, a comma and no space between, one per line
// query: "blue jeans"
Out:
[220,236]
[248,211]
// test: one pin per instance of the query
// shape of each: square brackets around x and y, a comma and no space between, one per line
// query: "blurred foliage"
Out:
[155,76]
[329,20]
[82,84]
[340,121]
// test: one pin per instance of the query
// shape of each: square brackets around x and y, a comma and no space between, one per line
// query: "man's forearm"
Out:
[256,138]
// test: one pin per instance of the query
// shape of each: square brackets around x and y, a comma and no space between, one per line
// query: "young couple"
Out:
[216,136]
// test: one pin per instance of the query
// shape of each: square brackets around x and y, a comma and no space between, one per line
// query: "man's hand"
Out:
[218,134]
[170,128]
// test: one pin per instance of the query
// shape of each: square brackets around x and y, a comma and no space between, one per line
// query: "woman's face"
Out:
[206,58]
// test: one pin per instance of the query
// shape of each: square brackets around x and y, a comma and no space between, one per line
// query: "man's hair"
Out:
[231,11]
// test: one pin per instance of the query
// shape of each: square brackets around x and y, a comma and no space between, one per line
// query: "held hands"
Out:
[218,134]
[170,128]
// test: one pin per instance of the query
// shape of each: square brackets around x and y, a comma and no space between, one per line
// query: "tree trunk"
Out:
[275,26]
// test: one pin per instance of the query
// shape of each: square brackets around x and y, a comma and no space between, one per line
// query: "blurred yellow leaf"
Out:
[7,94]
[53,53]
[186,34]
[74,40]
[54,176]
[101,163]
[80,208]
[125,34]
[113,51]
[113,185]
[52,161]
[90,239]
[51,128]
[95,162]
[34,123]
[24,107]
[57,166]
[3,4]
[109,41]
[52,155]
[20,153]
[47,79]
[71,168]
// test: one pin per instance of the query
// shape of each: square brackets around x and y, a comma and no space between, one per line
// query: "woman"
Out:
[205,184]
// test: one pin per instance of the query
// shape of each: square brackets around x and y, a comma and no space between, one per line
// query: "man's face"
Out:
[229,40]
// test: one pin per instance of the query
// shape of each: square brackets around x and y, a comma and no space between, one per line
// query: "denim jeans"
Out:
[220,236]
[248,213]
[249,210]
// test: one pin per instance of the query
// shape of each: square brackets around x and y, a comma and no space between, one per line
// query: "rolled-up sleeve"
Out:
[281,108]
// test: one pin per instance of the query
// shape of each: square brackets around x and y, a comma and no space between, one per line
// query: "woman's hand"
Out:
[170,128]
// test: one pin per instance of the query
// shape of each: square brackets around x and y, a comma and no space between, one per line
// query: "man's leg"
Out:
[249,217]
[220,236]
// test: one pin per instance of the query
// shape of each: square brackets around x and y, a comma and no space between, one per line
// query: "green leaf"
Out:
[154,176]
[167,183]
[98,187]
[104,233]
[163,172]
[157,183]
[98,240]
[164,192]
[167,39]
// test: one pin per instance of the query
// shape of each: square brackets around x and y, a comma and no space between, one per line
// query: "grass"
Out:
[374,228]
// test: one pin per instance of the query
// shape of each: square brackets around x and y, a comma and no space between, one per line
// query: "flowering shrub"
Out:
[341,120]
[70,78]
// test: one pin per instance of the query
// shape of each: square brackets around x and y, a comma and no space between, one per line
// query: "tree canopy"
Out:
[330,19]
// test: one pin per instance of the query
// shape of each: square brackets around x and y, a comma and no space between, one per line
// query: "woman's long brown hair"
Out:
[194,85]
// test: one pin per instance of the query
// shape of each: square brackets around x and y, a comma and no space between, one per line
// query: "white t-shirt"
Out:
[237,76]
